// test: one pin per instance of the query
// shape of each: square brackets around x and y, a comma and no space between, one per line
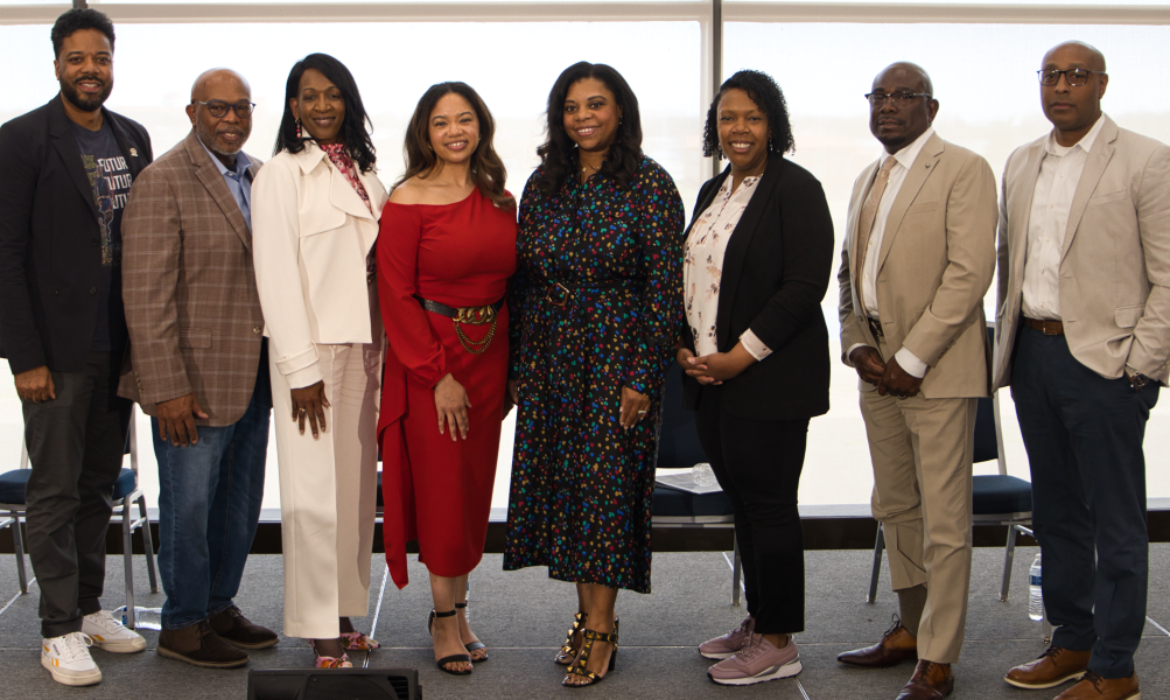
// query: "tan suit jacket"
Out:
[1115,271]
[937,261]
[189,289]
[313,234]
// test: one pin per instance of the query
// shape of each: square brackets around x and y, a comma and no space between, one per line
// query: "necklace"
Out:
[585,168]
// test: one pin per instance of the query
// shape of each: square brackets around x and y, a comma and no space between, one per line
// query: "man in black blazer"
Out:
[67,172]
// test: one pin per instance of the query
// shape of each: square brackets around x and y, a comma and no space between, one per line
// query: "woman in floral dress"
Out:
[597,309]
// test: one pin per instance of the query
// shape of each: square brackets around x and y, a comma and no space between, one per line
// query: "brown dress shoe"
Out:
[897,645]
[239,630]
[1094,687]
[930,681]
[199,645]
[1055,666]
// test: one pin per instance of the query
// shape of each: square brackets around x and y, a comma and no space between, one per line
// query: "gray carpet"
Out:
[523,615]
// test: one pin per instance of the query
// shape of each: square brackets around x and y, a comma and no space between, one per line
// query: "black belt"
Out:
[560,293]
[875,327]
[475,315]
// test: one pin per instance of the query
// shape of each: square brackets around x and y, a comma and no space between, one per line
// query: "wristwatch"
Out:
[1137,380]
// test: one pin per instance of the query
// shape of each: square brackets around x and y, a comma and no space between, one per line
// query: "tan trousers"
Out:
[922,451]
[328,493]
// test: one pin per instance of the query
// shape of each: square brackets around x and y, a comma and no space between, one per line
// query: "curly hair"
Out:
[486,166]
[355,129]
[558,157]
[768,97]
[75,20]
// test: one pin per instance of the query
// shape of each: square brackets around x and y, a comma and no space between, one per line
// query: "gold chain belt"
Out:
[471,315]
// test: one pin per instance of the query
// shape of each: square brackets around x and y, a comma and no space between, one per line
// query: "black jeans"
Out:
[1083,434]
[758,464]
[75,444]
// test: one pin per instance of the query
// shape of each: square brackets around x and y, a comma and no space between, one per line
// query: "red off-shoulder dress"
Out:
[439,491]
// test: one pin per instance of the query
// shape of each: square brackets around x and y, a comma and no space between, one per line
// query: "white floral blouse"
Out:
[703,266]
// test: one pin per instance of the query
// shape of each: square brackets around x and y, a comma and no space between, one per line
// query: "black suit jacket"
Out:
[775,272]
[50,240]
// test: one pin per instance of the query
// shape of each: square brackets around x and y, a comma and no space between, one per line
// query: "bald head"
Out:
[1073,81]
[217,98]
[908,108]
[218,78]
[1086,54]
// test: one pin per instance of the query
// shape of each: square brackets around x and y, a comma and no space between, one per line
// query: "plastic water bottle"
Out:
[1035,596]
[144,618]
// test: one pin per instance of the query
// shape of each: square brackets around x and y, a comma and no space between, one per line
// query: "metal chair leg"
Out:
[18,548]
[147,544]
[128,560]
[878,547]
[1009,556]
[736,573]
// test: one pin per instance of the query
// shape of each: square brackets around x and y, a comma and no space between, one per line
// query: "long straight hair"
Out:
[355,128]
[487,169]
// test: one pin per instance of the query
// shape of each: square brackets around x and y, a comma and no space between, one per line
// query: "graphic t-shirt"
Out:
[110,179]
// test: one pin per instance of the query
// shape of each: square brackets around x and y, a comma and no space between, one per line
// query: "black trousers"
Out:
[1083,434]
[75,443]
[758,464]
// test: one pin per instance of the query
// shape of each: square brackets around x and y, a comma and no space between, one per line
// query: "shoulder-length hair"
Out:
[487,168]
[768,97]
[355,128]
[558,156]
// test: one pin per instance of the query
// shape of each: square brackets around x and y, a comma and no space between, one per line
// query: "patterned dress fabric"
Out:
[597,305]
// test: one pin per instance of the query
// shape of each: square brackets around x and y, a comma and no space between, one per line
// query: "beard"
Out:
[207,136]
[86,103]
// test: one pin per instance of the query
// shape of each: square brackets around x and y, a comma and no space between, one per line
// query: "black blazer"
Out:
[50,241]
[775,272]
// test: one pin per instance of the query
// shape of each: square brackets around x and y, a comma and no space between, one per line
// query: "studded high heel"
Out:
[568,650]
[578,668]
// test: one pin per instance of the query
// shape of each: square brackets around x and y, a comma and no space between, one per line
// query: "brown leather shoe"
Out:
[897,645]
[1055,666]
[1094,687]
[931,681]
[199,645]
[239,630]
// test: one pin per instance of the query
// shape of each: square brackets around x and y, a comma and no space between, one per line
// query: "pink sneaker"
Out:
[759,661]
[727,645]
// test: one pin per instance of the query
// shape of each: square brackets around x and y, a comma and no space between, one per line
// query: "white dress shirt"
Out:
[703,267]
[904,158]
[1060,172]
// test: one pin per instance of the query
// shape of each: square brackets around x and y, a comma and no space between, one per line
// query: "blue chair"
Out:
[126,494]
[678,447]
[997,499]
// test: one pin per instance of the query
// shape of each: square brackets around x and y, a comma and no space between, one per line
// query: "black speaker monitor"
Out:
[334,684]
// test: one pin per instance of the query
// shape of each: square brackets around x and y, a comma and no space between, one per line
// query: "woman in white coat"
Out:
[315,216]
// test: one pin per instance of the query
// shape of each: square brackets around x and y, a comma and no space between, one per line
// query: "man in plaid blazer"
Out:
[199,368]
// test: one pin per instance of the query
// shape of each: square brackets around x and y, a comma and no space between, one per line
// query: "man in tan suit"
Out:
[1084,340]
[200,369]
[919,255]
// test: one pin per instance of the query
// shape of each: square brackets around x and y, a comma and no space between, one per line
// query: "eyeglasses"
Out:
[219,108]
[1076,77]
[900,99]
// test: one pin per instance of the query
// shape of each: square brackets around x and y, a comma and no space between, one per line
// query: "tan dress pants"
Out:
[922,451]
[328,493]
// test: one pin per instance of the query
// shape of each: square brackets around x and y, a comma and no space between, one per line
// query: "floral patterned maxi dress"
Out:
[597,305]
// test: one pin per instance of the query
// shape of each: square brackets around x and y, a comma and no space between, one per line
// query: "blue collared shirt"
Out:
[238,181]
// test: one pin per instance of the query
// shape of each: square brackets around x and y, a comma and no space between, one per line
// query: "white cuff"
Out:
[754,345]
[911,364]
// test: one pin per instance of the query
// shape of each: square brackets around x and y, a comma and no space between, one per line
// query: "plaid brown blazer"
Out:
[189,288]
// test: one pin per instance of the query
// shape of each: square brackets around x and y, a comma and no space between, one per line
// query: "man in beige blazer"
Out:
[919,255]
[1084,340]
[200,369]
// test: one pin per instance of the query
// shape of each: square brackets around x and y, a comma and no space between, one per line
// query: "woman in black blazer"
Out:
[758,261]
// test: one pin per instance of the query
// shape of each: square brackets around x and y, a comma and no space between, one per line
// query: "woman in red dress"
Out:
[446,249]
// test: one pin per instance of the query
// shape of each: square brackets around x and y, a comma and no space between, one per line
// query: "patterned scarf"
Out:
[344,164]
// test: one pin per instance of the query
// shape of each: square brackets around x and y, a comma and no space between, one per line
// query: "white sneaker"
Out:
[109,634]
[67,658]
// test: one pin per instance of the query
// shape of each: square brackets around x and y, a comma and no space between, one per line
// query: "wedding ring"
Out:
[302,410]
[641,411]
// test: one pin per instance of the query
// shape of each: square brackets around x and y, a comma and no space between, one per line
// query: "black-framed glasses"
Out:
[900,99]
[1076,77]
[219,108]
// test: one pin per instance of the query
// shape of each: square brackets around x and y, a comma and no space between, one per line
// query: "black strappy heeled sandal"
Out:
[473,646]
[567,652]
[442,663]
[579,668]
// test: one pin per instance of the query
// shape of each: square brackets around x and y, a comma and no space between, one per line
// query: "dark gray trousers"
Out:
[75,443]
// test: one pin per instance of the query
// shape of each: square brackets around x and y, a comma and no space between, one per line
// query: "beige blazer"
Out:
[312,234]
[1115,270]
[189,289]
[937,261]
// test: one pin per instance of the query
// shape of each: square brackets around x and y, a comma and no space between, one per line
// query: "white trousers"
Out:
[328,493]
